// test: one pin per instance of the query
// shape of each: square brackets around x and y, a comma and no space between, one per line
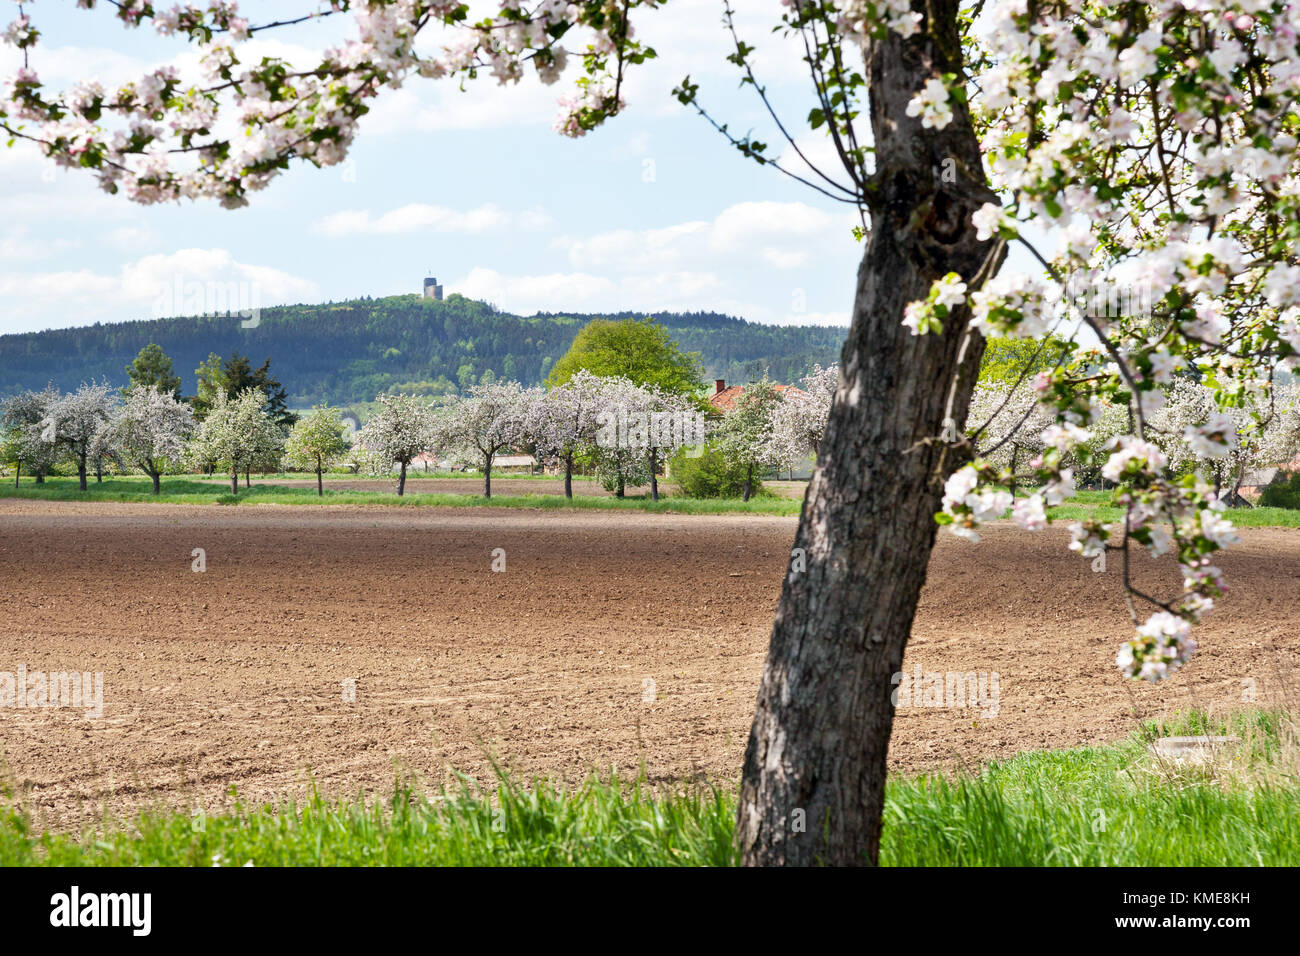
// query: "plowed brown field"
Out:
[233,676]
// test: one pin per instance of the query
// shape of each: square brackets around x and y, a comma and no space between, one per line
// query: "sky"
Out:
[652,212]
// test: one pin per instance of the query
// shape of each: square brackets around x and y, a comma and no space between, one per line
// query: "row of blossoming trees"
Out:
[96,429]
[627,431]
[1232,446]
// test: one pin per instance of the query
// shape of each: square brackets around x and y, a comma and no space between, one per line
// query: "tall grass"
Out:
[1114,805]
[601,823]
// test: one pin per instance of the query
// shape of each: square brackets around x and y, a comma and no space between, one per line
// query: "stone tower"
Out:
[432,290]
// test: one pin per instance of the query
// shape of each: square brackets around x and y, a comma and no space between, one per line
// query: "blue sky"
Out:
[654,211]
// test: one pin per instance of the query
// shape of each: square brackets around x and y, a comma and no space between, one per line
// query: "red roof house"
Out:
[726,399]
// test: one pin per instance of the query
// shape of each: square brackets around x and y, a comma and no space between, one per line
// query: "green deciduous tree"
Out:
[238,435]
[745,434]
[210,384]
[640,350]
[317,441]
[1014,362]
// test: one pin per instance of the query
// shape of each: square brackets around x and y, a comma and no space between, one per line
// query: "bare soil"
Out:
[234,676]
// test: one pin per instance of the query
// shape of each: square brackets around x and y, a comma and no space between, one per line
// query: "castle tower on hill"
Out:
[432,290]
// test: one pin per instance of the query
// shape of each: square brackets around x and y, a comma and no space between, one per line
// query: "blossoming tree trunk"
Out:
[814,777]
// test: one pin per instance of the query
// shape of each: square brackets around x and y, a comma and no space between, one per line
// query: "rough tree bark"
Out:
[568,475]
[816,753]
[654,479]
[401,481]
[487,475]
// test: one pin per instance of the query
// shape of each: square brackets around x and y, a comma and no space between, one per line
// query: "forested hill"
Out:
[349,352]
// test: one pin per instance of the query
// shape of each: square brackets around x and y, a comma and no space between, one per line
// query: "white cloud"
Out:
[629,249]
[67,203]
[158,276]
[675,291]
[683,291]
[417,217]
[435,106]
[690,38]
[745,224]
[784,259]
[132,238]
[670,290]
[819,156]
[33,189]
[39,292]
[726,264]
[552,292]
[64,65]
[782,234]
[16,244]
[184,282]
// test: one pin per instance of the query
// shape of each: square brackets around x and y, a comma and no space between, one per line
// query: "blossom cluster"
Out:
[238,121]
[927,315]
[865,18]
[1159,142]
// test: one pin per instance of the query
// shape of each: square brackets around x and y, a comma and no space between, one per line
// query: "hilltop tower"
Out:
[432,290]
